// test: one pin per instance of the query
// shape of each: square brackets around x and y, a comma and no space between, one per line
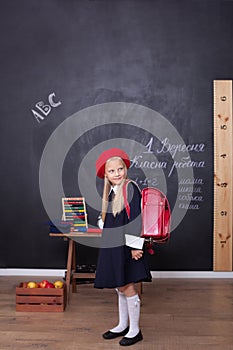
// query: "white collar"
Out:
[114,189]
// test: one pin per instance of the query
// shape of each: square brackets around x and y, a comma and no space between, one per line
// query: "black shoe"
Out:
[130,341]
[113,335]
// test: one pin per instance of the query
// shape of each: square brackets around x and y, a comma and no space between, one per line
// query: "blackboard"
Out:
[60,58]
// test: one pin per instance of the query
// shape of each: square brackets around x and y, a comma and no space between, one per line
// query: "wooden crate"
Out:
[40,299]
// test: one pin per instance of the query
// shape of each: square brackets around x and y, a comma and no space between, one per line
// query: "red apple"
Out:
[43,284]
[50,285]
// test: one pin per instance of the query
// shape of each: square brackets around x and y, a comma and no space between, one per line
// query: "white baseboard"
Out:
[31,272]
[191,274]
[155,274]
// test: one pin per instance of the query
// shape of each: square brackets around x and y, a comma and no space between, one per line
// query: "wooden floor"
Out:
[176,314]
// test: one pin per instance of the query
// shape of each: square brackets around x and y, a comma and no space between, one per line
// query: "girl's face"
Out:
[115,170]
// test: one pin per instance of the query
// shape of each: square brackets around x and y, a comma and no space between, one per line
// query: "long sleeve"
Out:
[133,228]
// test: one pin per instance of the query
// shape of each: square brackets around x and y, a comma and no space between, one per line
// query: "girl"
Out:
[121,261]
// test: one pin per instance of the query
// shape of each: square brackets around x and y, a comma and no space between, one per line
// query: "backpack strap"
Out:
[126,203]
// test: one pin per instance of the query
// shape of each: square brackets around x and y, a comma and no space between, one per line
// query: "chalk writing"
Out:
[43,110]
[190,190]
[189,206]
[188,181]
[138,162]
[184,189]
[153,182]
[190,196]
[186,162]
[174,148]
[149,146]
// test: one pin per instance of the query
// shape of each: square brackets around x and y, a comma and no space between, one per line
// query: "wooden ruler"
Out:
[223,181]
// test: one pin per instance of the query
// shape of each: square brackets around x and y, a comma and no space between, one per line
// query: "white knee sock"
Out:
[134,315]
[123,313]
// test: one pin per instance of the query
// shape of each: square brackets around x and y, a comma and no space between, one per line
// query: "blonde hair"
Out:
[118,201]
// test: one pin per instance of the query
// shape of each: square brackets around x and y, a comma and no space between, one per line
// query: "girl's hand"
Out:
[136,254]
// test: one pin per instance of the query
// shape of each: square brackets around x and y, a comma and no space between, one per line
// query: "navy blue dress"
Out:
[115,266]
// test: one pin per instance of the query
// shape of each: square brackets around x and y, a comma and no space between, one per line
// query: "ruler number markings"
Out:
[223,175]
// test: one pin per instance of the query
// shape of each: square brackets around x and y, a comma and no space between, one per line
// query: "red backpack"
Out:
[156,215]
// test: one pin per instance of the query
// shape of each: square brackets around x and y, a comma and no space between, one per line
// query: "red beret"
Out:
[112,152]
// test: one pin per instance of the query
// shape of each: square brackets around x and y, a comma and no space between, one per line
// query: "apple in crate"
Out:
[50,285]
[58,284]
[43,284]
[32,284]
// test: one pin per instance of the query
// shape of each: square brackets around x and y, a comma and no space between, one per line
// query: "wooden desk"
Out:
[71,274]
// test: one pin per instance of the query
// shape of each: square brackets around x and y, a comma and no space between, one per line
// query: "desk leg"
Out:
[74,269]
[69,267]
